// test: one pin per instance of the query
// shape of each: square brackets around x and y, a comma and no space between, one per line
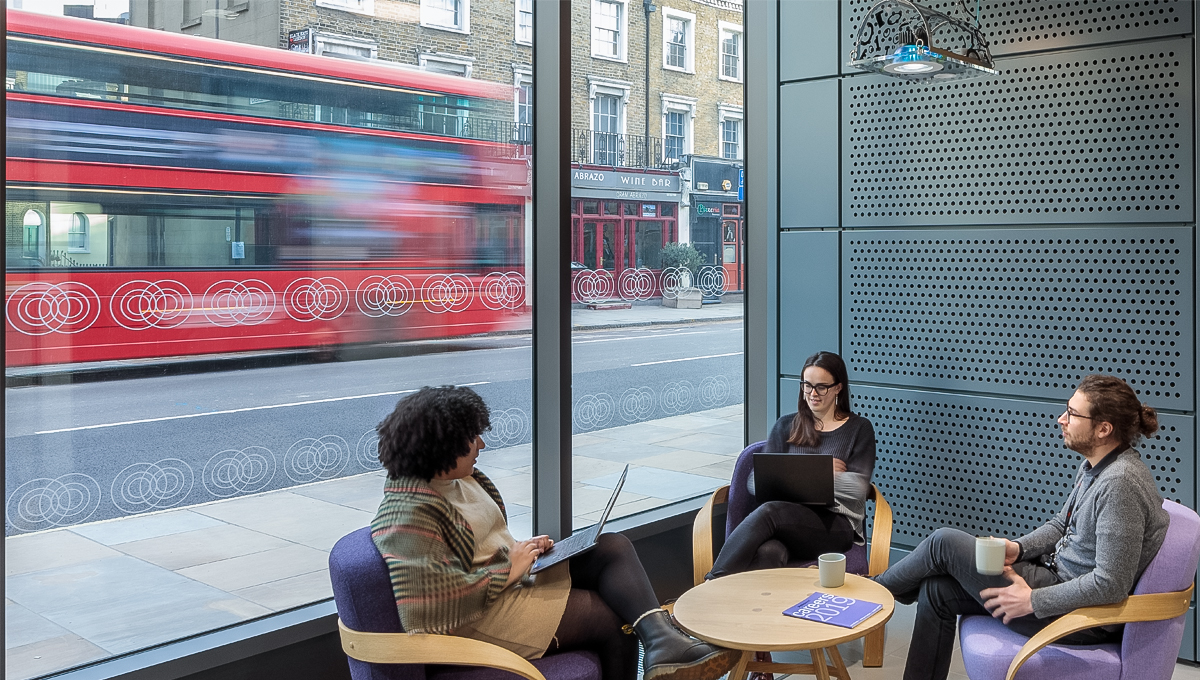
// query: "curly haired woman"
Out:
[455,568]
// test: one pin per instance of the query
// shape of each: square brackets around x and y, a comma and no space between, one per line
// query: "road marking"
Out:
[641,337]
[671,361]
[238,410]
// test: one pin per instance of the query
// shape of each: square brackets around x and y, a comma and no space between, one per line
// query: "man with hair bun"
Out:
[1091,553]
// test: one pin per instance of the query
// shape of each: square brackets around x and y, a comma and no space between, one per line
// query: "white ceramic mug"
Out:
[989,555]
[832,568]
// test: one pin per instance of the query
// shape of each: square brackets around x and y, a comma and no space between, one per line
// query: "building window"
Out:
[731,51]
[606,129]
[678,115]
[524,108]
[731,135]
[678,40]
[673,135]
[525,22]
[448,64]
[345,48]
[608,29]
[450,15]
[729,118]
[356,6]
[34,221]
[77,234]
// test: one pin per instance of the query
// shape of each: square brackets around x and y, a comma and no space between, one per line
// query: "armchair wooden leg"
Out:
[873,649]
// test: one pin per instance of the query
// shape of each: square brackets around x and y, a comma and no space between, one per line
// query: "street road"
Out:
[91,451]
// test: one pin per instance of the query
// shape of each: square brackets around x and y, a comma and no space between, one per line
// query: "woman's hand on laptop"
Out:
[522,555]
[543,542]
[839,466]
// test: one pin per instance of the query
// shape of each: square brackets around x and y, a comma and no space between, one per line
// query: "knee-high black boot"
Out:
[672,655]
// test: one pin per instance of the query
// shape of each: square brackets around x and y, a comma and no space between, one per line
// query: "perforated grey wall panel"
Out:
[1021,312]
[992,466]
[1102,135]
[1013,26]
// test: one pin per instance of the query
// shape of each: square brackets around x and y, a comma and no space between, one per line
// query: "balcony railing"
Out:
[618,151]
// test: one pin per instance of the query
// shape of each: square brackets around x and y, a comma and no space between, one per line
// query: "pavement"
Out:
[91,591]
[642,314]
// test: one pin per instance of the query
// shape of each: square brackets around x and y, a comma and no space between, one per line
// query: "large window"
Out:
[608,29]
[606,128]
[524,22]
[452,15]
[677,125]
[221,275]
[678,40]
[730,51]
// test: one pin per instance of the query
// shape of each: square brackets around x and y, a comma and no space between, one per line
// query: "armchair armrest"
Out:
[432,649]
[881,534]
[1150,607]
[702,553]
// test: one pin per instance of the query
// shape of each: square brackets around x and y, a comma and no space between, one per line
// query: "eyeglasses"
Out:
[821,390]
[1071,414]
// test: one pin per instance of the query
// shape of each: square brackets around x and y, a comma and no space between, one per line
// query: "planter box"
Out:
[688,298]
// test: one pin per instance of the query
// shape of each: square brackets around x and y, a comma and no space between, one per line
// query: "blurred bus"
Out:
[171,195]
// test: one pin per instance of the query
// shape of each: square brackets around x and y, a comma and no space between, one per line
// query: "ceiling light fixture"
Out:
[896,39]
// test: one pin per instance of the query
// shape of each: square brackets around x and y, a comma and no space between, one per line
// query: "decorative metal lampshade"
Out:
[903,39]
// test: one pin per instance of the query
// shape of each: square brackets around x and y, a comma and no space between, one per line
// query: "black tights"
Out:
[609,588]
[778,532]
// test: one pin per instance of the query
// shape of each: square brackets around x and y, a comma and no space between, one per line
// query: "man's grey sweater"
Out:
[1112,530]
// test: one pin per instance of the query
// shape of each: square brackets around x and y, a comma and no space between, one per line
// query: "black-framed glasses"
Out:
[821,390]
[1071,414]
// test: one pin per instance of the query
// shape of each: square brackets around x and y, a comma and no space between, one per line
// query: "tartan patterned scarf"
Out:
[429,549]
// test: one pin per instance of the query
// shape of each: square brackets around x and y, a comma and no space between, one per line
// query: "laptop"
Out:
[794,477]
[580,542]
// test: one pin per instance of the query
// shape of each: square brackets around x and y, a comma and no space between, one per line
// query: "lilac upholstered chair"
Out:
[739,505]
[1146,652]
[379,649]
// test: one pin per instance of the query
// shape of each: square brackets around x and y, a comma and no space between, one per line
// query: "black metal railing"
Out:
[618,151]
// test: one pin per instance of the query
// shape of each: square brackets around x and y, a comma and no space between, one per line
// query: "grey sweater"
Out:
[1104,537]
[854,443]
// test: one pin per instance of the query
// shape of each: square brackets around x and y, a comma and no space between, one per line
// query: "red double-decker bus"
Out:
[170,195]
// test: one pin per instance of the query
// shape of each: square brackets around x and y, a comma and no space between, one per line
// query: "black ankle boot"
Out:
[672,655]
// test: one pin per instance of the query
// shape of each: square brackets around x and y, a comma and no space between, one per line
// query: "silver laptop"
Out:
[580,542]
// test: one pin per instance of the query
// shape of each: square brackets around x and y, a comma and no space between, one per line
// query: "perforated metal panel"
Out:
[1021,312]
[1026,25]
[992,466]
[1102,135]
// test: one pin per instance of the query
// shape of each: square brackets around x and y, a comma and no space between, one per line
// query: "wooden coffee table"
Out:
[745,611]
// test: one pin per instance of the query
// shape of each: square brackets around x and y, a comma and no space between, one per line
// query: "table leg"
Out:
[739,669]
[839,666]
[819,668]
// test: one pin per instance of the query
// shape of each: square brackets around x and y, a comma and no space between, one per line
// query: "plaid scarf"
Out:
[429,549]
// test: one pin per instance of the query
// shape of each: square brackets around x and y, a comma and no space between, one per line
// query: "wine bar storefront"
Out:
[621,219]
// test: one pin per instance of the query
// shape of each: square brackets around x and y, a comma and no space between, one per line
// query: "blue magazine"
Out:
[840,611]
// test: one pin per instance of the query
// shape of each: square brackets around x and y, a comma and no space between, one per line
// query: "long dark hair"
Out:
[804,426]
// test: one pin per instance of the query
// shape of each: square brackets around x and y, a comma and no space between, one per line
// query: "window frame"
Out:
[522,76]
[689,40]
[464,15]
[724,28]
[727,113]
[424,59]
[364,7]
[622,45]
[321,39]
[80,219]
[674,103]
[517,23]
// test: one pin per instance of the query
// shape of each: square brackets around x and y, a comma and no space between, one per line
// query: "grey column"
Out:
[551,268]
[762,217]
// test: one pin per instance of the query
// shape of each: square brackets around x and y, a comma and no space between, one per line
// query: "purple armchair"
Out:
[379,649]
[739,505]
[1153,618]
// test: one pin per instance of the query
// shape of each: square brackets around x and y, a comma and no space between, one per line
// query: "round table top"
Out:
[745,611]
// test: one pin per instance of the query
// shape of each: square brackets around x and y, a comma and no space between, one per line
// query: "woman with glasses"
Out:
[779,532]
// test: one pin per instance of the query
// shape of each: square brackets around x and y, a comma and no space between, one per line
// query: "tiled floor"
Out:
[88,592]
